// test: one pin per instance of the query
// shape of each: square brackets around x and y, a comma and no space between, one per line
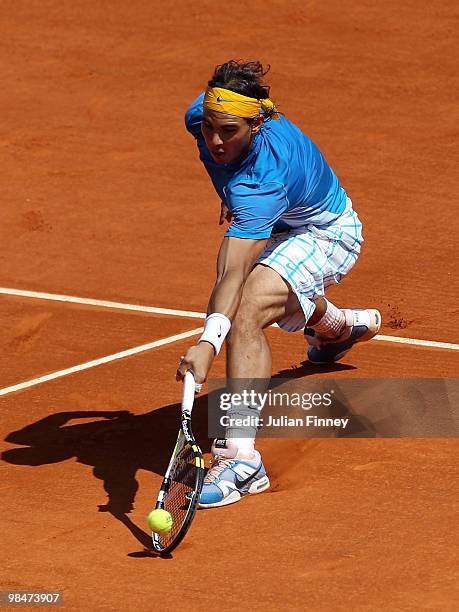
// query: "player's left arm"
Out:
[236,259]
[255,209]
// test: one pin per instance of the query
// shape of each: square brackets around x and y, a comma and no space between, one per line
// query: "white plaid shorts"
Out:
[312,257]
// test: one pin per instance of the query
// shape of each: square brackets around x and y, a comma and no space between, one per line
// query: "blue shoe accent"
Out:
[361,325]
[229,480]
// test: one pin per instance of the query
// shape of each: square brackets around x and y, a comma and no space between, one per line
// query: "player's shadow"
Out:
[116,445]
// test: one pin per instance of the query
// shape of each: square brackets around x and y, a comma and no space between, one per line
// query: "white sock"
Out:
[246,445]
[332,323]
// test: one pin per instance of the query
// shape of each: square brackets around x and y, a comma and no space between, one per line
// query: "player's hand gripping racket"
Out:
[182,484]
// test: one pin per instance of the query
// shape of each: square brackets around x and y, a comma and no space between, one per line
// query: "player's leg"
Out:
[337,332]
[266,298]
[287,287]
[237,468]
[333,334]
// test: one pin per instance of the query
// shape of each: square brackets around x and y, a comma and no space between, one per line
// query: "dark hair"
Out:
[243,78]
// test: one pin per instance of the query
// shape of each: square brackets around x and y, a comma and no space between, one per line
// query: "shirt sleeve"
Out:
[255,208]
[193,116]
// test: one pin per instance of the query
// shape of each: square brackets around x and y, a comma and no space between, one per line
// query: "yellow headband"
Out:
[226,101]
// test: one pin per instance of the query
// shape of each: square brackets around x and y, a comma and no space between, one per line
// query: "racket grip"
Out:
[189,388]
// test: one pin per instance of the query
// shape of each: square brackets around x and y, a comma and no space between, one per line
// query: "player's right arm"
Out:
[225,213]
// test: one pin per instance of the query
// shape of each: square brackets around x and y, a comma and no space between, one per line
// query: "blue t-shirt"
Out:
[283,182]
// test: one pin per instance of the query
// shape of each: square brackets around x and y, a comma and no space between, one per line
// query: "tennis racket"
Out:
[182,484]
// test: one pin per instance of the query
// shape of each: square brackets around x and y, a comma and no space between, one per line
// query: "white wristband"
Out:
[216,329]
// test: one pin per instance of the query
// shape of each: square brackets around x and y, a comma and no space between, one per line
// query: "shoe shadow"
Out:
[115,443]
[306,368]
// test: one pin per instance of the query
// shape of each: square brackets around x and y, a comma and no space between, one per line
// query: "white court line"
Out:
[102,360]
[428,343]
[191,314]
[103,303]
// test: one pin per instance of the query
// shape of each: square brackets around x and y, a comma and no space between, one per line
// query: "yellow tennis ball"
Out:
[160,521]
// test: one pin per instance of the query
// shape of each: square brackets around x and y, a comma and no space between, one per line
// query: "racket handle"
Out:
[189,389]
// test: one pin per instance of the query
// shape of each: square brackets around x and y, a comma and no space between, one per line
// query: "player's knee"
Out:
[249,318]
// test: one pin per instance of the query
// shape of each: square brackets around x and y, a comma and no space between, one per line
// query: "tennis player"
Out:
[293,232]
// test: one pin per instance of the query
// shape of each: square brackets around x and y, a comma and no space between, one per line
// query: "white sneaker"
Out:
[361,325]
[233,475]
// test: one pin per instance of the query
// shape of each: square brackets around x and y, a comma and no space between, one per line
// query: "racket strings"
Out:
[182,484]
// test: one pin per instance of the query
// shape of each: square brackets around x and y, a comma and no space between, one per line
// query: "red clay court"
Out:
[104,199]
